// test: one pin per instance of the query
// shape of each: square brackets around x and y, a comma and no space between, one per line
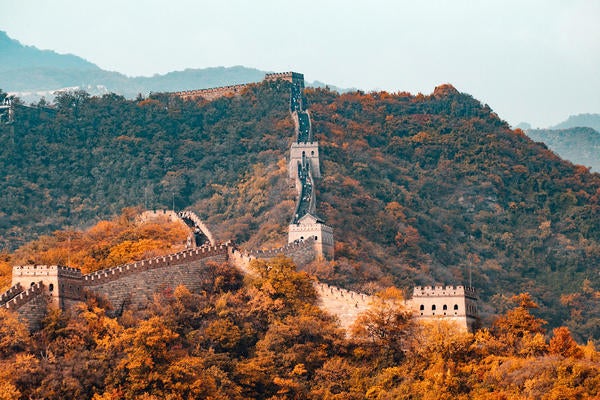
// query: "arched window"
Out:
[422,307]
[51,287]
[433,307]
[445,307]
[456,306]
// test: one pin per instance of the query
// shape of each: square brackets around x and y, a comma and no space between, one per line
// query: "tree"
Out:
[522,332]
[386,329]
[14,334]
[562,343]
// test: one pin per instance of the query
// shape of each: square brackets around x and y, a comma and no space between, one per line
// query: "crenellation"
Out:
[212,93]
[10,293]
[24,296]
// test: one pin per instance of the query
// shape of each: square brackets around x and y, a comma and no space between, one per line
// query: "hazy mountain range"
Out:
[31,73]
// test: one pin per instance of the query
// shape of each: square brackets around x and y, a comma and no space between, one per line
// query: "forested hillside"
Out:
[265,338]
[419,189]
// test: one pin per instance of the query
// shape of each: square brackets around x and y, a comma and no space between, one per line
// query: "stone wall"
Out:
[301,252]
[137,289]
[346,305]
[129,284]
[212,93]
[31,305]
[199,224]
[295,78]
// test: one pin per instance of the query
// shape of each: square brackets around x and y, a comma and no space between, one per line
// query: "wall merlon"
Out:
[11,293]
[427,291]
[24,297]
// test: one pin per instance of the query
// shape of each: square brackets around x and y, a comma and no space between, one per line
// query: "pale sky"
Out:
[531,60]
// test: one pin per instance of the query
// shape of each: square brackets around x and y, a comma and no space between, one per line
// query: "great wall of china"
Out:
[35,287]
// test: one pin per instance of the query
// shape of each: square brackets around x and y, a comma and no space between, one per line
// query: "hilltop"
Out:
[419,189]
[580,120]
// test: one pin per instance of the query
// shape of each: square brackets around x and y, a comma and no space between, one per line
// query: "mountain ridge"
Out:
[30,74]
[419,189]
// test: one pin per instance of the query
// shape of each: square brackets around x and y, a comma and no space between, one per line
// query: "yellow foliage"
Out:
[106,244]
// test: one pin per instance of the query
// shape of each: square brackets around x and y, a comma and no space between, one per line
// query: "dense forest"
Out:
[263,337]
[419,189]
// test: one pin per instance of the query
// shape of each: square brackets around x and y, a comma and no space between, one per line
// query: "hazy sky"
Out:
[530,60]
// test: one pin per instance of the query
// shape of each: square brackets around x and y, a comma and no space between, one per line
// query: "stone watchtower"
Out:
[62,284]
[310,226]
[301,153]
[453,303]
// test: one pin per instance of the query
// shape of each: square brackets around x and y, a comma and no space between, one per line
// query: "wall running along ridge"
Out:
[35,288]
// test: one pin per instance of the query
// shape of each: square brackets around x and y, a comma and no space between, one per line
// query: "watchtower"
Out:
[295,78]
[301,152]
[63,284]
[309,226]
[454,303]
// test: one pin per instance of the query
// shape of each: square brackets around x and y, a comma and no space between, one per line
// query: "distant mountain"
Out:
[523,125]
[31,73]
[16,56]
[581,120]
[577,139]
[580,145]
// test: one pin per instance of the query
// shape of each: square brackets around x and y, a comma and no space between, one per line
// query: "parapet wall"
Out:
[10,293]
[121,271]
[212,93]
[301,252]
[344,304]
[31,305]
[136,287]
[24,296]
[444,291]
[200,224]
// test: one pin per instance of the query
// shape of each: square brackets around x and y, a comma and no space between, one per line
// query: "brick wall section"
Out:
[344,304]
[301,252]
[137,289]
[136,283]
[186,256]
[31,305]
[35,309]
[10,293]
[212,93]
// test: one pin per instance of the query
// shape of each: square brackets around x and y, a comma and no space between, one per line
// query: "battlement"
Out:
[46,271]
[24,296]
[301,252]
[212,93]
[284,250]
[10,293]
[198,223]
[444,291]
[158,214]
[186,256]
